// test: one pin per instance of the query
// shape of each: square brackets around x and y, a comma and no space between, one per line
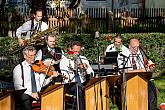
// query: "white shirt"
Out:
[17,78]
[111,48]
[26,27]
[67,66]
[125,59]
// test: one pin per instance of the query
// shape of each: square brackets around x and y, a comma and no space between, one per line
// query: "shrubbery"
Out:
[154,44]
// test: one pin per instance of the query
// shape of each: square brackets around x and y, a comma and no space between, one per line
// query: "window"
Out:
[95,0]
[137,1]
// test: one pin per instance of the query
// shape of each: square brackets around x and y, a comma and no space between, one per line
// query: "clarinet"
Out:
[148,63]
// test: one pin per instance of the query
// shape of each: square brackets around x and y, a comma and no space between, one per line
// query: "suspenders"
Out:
[22,74]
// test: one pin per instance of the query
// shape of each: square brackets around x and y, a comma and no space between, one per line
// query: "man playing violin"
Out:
[31,27]
[25,78]
[134,60]
[51,55]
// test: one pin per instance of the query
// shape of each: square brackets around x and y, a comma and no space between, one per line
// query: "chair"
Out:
[36,105]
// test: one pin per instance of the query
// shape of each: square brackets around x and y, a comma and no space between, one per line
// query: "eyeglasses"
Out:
[135,47]
[30,56]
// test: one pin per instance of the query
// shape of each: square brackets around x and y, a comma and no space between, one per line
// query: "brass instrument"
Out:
[36,40]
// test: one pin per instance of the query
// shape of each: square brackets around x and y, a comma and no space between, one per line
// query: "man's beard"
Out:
[52,46]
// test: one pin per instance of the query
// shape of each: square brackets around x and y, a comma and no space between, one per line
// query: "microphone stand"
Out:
[77,84]
[124,81]
[98,61]
[98,52]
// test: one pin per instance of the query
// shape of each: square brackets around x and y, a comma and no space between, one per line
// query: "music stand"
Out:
[9,99]
[54,96]
[127,61]
[111,58]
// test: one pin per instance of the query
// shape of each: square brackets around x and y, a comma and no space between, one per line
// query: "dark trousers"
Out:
[152,96]
[24,102]
[81,96]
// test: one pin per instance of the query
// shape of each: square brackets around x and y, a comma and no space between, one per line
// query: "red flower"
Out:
[108,37]
[162,106]
[70,52]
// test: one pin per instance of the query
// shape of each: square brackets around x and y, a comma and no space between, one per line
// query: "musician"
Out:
[25,78]
[31,27]
[68,64]
[76,67]
[51,54]
[117,45]
[134,60]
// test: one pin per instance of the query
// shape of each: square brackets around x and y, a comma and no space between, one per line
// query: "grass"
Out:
[160,84]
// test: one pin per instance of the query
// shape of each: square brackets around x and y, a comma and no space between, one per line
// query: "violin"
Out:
[40,67]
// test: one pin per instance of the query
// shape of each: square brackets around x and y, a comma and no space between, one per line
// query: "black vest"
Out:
[57,56]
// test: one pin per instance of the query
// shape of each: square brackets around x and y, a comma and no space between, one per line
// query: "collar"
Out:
[49,49]
[35,21]
[25,63]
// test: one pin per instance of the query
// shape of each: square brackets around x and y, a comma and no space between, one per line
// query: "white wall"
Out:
[96,4]
[131,4]
[155,3]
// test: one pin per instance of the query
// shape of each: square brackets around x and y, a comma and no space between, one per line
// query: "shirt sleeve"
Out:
[17,79]
[64,66]
[24,28]
[43,80]
[18,32]
[38,55]
[89,69]
[120,61]
[44,26]
[109,48]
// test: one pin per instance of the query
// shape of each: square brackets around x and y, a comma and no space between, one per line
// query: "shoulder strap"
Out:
[22,74]
[44,50]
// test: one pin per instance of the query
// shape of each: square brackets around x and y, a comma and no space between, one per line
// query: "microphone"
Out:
[123,55]
[97,34]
